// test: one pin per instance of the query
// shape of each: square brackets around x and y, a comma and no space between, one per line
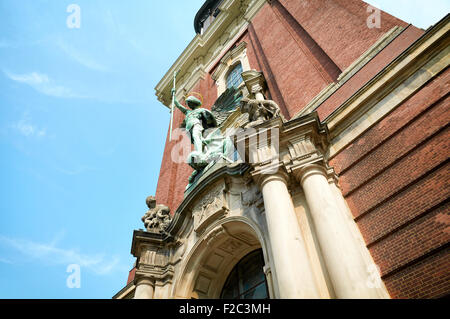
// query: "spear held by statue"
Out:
[172,105]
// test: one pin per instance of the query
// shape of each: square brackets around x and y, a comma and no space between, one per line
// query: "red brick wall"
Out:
[340,26]
[372,68]
[395,180]
[131,275]
[169,181]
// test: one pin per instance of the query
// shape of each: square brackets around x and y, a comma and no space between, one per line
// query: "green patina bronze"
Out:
[203,126]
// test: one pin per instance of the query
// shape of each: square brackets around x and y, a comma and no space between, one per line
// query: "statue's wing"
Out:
[209,119]
[183,125]
[221,117]
[226,104]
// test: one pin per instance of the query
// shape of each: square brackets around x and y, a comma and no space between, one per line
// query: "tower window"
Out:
[234,78]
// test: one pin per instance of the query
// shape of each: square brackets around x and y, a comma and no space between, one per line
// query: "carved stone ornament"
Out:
[259,110]
[252,200]
[211,207]
[157,218]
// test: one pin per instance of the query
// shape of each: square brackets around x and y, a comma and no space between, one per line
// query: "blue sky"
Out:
[82,134]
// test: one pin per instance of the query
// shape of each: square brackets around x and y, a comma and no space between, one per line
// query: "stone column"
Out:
[145,288]
[343,255]
[292,268]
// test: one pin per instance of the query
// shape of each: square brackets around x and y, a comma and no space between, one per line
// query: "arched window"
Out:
[234,78]
[247,279]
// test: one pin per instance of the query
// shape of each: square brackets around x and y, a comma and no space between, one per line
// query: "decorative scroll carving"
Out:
[154,263]
[157,218]
[252,202]
[214,234]
[210,207]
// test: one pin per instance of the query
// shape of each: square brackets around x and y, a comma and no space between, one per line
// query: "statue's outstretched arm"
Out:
[178,105]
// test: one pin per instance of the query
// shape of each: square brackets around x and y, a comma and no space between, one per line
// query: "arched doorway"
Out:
[217,252]
[247,279]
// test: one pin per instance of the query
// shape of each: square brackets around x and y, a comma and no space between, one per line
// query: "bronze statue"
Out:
[197,120]
[209,143]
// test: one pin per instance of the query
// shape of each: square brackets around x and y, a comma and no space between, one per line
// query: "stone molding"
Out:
[228,60]
[201,54]
[262,179]
[301,142]
[143,279]
[308,170]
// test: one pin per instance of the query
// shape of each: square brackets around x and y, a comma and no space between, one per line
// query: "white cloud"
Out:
[26,128]
[48,253]
[80,57]
[43,84]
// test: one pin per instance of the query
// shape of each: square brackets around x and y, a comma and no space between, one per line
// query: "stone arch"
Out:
[217,251]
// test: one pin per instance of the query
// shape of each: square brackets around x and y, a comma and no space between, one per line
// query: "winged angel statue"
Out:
[210,145]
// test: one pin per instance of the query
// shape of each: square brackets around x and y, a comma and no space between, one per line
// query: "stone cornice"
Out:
[301,142]
[204,49]
[141,237]
[125,291]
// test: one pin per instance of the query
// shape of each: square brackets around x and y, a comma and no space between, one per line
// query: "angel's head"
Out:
[194,100]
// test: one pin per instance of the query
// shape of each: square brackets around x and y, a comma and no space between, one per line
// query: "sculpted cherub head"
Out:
[151,202]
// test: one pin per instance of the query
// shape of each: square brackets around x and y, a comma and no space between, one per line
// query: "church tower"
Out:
[307,157]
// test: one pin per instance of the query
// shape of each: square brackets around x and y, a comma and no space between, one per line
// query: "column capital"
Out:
[261,177]
[301,173]
[142,278]
[254,81]
[310,169]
